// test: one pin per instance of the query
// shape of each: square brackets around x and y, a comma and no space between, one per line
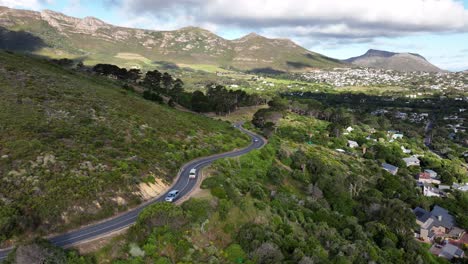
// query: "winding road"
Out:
[183,183]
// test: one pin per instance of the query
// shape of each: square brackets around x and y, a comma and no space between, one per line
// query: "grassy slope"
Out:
[98,141]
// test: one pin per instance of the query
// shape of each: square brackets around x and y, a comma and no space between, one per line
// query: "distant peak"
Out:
[193,28]
[380,53]
[252,35]
[93,20]
[190,28]
[387,54]
[90,18]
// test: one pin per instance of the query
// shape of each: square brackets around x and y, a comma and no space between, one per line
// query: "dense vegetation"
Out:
[74,147]
[307,197]
[298,200]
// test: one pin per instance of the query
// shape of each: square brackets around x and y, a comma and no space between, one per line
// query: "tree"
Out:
[268,253]
[159,215]
[152,80]
[177,89]
[200,102]
[167,82]
[109,69]
[279,104]
[134,75]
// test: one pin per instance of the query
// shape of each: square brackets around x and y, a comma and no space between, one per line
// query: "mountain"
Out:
[93,40]
[75,147]
[404,62]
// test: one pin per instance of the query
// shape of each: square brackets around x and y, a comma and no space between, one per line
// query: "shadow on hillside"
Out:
[19,41]
[265,71]
[166,65]
[297,65]
[315,57]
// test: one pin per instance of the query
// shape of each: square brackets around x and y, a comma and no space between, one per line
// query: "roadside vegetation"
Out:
[75,147]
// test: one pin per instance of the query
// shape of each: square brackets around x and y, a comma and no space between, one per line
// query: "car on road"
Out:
[193,174]
[171,196]
[255,139]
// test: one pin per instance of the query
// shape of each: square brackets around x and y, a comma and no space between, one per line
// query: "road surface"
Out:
[183,184]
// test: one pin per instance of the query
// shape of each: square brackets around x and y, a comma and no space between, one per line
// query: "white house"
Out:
[352,144]
[431,173]
[397,136]
[406,151]
[460,187]
[430,191]
[411,161]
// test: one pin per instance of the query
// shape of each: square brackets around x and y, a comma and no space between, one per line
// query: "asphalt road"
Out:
[183,184]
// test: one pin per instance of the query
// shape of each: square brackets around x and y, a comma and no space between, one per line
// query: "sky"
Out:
[436,29]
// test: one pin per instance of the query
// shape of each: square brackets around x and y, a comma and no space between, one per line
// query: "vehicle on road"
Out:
[171,196]
[255,139]
[193,174]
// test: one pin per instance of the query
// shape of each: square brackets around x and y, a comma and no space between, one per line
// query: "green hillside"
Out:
[75,147]
[94,41]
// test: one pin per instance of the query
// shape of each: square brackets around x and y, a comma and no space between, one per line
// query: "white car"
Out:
[192,174]
[171,196]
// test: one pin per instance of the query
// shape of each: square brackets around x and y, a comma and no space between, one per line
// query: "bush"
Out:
[234,253]
[219,192]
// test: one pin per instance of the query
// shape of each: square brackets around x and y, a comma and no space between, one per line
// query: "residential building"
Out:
[460,187]
[406,151]
[432,173]
[411,161]
[352,144]
[450,252]
[390,168]
[425,177]
[430,191]
[436,223]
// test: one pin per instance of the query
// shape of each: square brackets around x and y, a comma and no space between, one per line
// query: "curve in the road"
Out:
[183,183]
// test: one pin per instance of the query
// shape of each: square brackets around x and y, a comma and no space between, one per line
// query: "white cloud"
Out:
[330,18]
[26,4]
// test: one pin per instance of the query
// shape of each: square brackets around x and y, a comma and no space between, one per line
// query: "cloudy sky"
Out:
[436,29]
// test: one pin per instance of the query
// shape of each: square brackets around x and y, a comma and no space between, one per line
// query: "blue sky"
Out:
[436,29]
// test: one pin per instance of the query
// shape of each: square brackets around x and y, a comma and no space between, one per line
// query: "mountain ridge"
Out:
[100,42]
[404,62]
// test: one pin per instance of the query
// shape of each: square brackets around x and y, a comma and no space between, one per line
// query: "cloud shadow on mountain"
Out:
[20,41]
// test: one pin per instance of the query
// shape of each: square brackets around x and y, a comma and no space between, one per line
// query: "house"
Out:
[456,233]
[406,151]
[444,187]
[460,187]
[349,129]
[411,161]
[390,168]
[397,136]
[352,144]
[425,177]
[450,251]
[431,173]
[436,223]
[430,191]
